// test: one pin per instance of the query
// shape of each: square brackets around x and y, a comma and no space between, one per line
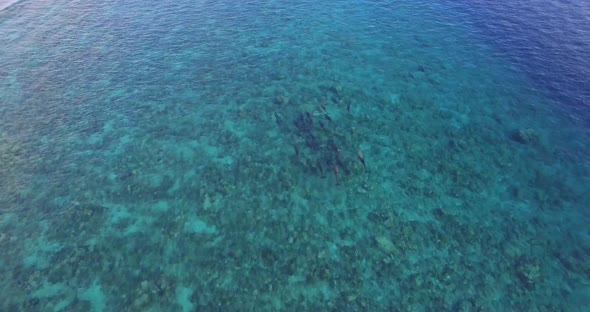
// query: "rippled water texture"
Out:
[549,41]
[290,156]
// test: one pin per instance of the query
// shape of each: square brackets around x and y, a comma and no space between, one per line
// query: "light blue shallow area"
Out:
[283,156]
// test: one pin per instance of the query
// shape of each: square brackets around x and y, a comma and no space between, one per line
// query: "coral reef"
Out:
[300,159]
[16,166]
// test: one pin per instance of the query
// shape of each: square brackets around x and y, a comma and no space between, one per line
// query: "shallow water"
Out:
[204,156]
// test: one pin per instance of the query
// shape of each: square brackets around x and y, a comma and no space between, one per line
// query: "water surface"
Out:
[205,156]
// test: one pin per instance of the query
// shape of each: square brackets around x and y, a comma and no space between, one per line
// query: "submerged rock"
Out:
[528,272]
[336,89]
[281,100]
[385,244]
[394,99]
[524,136]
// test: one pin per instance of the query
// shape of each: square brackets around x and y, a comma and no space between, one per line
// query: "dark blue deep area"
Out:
[549,40]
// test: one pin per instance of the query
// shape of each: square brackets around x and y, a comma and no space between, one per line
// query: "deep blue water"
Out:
[294,156]
[548,40]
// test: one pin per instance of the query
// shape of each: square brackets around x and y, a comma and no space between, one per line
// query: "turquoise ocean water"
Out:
[285,156]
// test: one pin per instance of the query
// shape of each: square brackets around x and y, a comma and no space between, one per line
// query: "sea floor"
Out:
[182,157]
